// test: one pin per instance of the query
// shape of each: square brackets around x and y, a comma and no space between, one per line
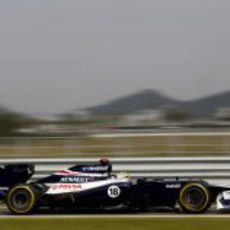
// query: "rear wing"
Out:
[12,174]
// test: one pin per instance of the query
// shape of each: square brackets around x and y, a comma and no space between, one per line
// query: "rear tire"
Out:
[194,198]
[21,199]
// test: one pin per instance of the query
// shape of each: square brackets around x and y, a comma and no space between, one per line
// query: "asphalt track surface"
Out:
[47,214]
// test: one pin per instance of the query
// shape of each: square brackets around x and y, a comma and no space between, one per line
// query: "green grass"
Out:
[116,224]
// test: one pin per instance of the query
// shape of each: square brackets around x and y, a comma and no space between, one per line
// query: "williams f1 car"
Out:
[96,186]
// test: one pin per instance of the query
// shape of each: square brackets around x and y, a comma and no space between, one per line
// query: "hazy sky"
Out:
[62,54]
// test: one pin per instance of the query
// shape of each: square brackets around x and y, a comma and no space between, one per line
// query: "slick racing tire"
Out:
[21,199]
[194,198]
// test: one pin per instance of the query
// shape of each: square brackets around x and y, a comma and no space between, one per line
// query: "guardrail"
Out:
[213,169]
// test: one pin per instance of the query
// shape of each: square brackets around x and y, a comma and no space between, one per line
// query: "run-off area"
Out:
[115,223]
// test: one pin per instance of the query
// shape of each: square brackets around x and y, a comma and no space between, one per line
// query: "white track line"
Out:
[115,216]
[111,135]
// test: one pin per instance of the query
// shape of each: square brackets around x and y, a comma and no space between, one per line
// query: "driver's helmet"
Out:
[104,161]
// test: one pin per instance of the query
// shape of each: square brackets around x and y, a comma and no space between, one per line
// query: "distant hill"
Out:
[206,106]
[3,110]
[146,99]
[151,99]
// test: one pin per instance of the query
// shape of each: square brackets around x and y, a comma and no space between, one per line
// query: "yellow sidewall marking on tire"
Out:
[187,206]
[32,200]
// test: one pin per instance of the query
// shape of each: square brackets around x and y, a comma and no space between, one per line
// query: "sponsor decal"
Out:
[74,179]
[66,187]
[95,168]
[173,185]
[114,191]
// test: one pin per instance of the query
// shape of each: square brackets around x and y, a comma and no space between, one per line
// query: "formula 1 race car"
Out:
[94,186]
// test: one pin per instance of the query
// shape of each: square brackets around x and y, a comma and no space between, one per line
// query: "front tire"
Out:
[194,198]
[21,199]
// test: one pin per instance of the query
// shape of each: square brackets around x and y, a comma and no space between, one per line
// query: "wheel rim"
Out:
[195,198]
[21,199]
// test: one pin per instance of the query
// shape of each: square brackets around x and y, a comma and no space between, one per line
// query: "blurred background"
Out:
[146,123]
[114,78]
